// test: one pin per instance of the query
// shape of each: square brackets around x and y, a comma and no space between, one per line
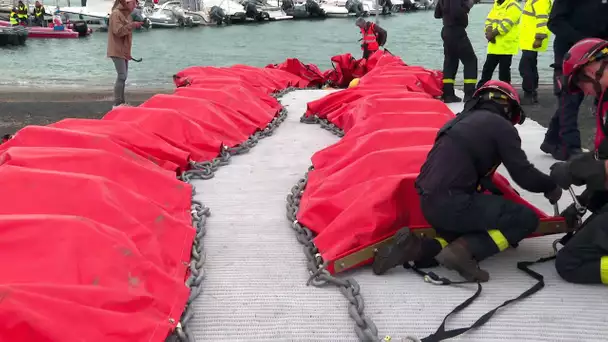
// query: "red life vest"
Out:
[369,38]
[601,129]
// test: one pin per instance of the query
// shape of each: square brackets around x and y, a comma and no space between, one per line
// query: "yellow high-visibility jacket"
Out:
[504,19]
[23,12]
[12,18]
[534,24]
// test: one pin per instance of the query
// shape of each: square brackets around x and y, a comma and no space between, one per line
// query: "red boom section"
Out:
[96,230]
[361,190]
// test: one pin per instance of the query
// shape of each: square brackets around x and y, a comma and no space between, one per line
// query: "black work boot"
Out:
[406,247]
[448,95]
[528,99]
[548,148]
[564,154]
[469,90]
[457,256]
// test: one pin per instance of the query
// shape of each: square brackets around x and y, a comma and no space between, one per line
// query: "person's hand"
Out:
[566,174]
[560,173]
[137,24]
[554,195]
[570,215]
[537,43]
[491,36]
[488,33]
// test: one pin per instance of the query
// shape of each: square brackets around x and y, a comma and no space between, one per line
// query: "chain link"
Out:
[365,328]
[199,219]
[206,170]
[325,124]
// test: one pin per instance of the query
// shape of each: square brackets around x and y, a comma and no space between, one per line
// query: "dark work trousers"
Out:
[528,70]
[457,48]
[563,128]
[471,216]
[580,260]
[367,53]
[504,68]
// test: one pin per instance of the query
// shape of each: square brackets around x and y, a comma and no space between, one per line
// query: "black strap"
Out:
[442,334]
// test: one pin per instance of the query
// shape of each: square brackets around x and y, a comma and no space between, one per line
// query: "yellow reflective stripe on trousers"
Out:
[604,270]
[470,80]
[499,239]
[441,241]
[448,80]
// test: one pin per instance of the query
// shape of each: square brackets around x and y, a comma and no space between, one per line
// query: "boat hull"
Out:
[48,32]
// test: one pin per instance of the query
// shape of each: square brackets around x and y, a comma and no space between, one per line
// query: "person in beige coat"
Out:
[120,38]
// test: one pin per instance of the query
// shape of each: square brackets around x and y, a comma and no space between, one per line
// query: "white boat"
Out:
[358,7]
[275,12]
[332,10]
[171,14]
[96,13]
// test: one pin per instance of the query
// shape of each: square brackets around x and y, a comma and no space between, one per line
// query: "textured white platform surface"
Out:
[255,286]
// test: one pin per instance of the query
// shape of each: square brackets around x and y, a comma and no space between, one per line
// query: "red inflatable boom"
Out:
[361,190]
[96,230]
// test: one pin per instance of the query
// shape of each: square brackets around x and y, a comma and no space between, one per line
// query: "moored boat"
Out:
[71,31]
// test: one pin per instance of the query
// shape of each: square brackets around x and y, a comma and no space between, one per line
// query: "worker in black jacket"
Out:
[584,258]
[472,225]
[570,21]
[456,47]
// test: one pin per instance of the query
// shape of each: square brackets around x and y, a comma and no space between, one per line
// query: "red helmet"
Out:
[493,90]
[579,55]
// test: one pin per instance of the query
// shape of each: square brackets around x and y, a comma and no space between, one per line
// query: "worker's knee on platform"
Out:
[566,265]
[529,221]
[522,222]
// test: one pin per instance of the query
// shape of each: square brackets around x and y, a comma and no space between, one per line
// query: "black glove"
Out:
[585,169]
[570,215]
[560,173]
[554,195]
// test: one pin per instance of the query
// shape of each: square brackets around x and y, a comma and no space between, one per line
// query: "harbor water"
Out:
[82,62]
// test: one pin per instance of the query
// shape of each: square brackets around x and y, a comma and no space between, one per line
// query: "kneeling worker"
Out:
[374,36]
[584,258]
[473,226]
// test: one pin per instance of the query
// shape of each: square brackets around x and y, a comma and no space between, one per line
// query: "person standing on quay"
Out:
[120,38]
[456,47]
[502,33]
[534,38]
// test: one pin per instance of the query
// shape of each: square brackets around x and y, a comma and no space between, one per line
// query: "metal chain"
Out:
[206,170]
[325,124]
[365,328]
[199,219]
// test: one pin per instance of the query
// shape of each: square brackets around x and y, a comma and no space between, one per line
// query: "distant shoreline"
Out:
[88,93]
[75,94]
